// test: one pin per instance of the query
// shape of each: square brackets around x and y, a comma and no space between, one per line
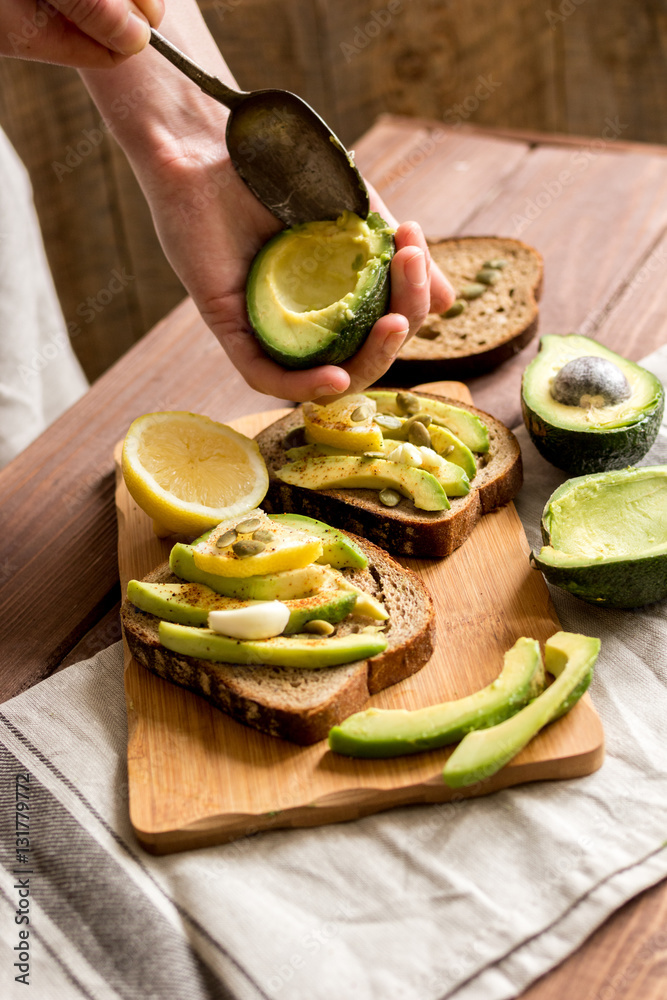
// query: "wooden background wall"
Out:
[562,66]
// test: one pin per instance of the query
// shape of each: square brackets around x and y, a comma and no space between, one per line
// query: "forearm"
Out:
[169,117]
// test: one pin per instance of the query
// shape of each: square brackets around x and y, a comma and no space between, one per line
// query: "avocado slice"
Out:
[291,584]
[190,603]
[255,546]
[327,472]
[570,658]
[392,732]
[338,550]
[605,537]
[453,449]
[612,429]
[302,650]
[314,291]
[464,424]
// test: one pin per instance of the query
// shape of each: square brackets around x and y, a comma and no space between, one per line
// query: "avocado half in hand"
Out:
[605,537]
[315,291]
[586,408]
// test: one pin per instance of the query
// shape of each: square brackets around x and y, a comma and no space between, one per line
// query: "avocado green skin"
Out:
[330,606]
[351,334]
[596,449]
[365,734]
[339,551]
[614,583]
[286,651]
[593,450]
[482,753]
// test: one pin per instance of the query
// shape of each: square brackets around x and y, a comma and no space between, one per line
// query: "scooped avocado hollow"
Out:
[314,291]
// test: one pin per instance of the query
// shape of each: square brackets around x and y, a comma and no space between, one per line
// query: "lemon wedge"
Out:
[189,473]
[346,423]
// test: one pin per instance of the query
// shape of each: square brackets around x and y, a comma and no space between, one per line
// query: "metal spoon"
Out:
[289,158]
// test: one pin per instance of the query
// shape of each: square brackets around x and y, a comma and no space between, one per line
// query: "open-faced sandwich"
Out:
[283,622]
[412,472]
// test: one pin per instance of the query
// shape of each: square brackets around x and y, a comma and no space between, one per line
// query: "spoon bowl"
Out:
[286,154]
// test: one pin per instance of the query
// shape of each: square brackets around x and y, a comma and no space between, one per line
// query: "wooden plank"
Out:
[58,521]
[198,777]
[434,174]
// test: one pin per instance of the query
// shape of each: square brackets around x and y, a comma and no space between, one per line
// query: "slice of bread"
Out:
[296,704]
[403,529]
[491,328]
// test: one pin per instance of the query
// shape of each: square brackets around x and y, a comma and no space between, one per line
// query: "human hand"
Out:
[211,240]
[90,34]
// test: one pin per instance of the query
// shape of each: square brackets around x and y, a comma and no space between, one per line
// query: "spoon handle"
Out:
[209,84]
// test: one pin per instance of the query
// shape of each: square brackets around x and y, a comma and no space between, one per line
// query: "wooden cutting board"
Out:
[197,777]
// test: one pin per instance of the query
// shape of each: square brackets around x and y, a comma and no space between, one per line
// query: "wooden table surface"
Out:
[597,211]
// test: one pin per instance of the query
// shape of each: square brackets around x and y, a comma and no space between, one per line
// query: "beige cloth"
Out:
[39,373]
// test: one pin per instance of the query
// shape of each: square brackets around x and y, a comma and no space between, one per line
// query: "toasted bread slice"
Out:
[491,328]
[403,529]
[301,705]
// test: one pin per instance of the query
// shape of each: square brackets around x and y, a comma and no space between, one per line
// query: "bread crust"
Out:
[301,705]
[452,354]
[403,529]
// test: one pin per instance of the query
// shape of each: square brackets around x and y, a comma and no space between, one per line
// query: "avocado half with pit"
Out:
[605,537]
[315,291]
[586,408]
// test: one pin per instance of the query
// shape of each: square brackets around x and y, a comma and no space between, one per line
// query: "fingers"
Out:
[120,25]
[412,298]
[375,355]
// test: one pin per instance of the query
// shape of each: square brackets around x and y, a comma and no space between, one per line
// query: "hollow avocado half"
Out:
[314,291]
[605,537]
[393,732]
[613,411]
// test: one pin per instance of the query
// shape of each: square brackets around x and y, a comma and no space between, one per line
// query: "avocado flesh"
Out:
[393,732]
[288,585]
[481,754]
[606,537]
[315,291]
[190,603]
[451,476]
[465,425]
[338,472]
[338,550]
[301,650]
[589,439]
[453,449]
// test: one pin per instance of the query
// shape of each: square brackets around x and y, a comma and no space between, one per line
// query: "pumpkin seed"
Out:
[362,412]
[427,333]
[487,276]
[498,263]
[251,524]
[295,438]
[373,454]
[407,402]
[263,535]
[419,436]
[389,497]
[226,539]
[455,309]
[248,547]
[388,421]
[472,291]
[319,627]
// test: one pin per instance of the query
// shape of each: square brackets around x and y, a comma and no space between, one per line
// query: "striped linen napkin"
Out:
[471,900]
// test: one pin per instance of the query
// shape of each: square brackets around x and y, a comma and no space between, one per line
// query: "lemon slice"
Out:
[346,423]
[189,473]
